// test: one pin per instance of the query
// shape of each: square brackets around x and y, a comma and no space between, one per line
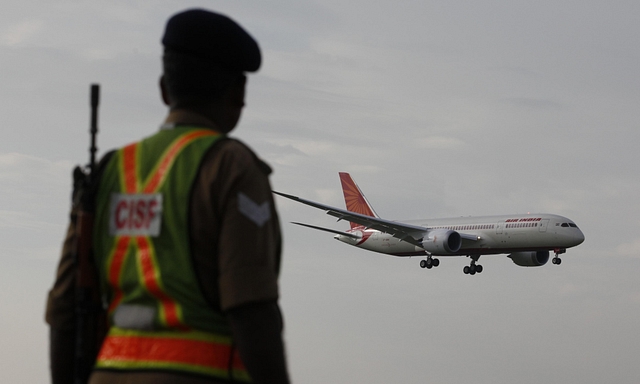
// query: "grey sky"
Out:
[437,109]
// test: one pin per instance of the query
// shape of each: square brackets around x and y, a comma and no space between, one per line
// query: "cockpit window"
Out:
[565,224]
[573,225]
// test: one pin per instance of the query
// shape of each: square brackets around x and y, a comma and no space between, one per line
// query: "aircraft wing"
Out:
[410,233]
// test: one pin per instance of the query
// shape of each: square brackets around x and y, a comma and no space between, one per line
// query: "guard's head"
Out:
[205,53]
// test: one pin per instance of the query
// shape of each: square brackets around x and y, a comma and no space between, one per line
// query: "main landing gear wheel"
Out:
[429,263]
[473,268]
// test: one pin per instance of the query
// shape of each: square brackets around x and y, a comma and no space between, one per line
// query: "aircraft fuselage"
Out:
[495,234]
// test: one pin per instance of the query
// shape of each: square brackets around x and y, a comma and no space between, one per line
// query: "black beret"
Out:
[213,37]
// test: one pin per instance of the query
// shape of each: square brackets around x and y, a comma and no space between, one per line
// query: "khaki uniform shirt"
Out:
[236,253]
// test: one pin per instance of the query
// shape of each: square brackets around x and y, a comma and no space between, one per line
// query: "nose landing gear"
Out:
[556,260]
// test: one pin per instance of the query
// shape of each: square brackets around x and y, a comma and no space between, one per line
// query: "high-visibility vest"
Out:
[159,317]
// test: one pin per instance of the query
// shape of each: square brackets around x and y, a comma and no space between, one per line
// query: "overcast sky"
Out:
[436,108]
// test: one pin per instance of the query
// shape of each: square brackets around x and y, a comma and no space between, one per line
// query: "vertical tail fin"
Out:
[354,198]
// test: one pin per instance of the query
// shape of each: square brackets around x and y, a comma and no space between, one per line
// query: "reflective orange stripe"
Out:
[149,350]
[119,252]
[155,181]
[150,279]
[129,165]
[122,243]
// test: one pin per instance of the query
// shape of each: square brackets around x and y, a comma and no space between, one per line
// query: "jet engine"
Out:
[530,259]
[442,241]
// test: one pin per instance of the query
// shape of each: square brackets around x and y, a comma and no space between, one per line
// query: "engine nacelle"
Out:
[442,241]
[530,259]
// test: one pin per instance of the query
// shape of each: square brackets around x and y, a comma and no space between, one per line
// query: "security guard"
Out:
[186,235]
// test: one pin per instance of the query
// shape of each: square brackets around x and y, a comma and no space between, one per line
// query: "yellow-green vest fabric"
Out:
[158,315]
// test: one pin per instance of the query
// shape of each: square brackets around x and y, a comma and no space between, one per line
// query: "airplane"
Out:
[527,239]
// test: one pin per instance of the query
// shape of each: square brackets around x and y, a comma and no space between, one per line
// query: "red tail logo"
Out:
[354,199]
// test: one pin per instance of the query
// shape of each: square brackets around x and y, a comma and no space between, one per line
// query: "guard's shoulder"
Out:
[241,152]
[86,193]
[104,161]
[101,167]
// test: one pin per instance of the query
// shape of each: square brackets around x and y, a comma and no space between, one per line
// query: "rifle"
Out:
[90,313]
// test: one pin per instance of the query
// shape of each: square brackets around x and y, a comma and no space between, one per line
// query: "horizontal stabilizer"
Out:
[329,230]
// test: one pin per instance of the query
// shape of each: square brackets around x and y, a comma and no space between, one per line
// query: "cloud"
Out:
[439,142]
[18,34]
[28,185]
[98,54]
[306,147]
[23,220]
[19,167]
[528,102]
[631,249]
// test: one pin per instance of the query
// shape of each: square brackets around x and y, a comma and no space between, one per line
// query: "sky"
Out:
[436,108]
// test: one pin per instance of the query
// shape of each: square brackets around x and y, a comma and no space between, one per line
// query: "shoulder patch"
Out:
[258,213]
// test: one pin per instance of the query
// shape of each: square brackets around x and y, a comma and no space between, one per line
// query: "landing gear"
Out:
[429,263]
[473,268]
[556,260]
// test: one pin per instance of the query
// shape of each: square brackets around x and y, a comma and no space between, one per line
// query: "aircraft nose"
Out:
[579,237]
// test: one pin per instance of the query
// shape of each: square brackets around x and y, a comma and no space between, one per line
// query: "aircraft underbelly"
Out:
[506,242]
[388,245]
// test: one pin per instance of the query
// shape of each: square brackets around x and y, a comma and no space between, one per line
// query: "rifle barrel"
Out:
[95,101]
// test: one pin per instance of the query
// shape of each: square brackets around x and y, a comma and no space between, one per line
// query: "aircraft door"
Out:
[543,225]
[499,227]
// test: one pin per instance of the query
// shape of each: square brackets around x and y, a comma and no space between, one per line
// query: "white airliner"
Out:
[526,238]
